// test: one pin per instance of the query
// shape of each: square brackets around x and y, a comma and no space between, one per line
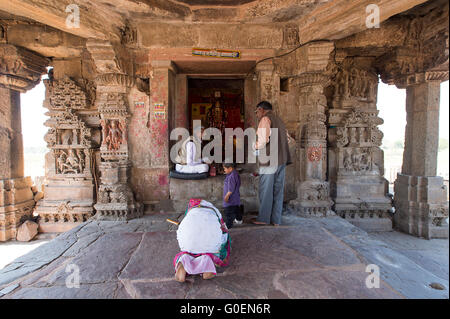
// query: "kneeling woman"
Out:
[204,241]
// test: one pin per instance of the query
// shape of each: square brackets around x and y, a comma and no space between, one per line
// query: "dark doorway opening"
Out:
[217,103]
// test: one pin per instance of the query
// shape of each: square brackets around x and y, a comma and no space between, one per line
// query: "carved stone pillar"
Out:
[162,104]
[421,196]
[16,197]
[356,163]
[419,66]
[312,190]
[69,189]
[20,70]
[115,199]
[268,84]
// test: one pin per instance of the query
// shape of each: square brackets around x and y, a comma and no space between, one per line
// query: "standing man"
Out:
[271,175]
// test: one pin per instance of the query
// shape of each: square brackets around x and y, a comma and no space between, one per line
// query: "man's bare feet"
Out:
[208,275]
[180,275]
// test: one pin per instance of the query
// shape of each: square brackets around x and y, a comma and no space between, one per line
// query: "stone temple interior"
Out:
[123,73]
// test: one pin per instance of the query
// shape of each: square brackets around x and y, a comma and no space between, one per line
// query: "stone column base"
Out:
[16,200]
[118,211]
[370,214]
[58,217]
[115,199]
[66,204]
[369,220]
[310,208]
[313,200]
[421,207]
[362,201]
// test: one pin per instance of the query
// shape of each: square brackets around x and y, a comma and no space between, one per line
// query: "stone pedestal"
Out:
[16,200]
[65,205]
[421,206]
[115,199]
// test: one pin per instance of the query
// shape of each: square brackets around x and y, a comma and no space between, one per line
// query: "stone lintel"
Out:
[164,64]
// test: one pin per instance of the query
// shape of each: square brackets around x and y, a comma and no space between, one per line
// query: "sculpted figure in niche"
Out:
[61,160]
[66,137]
[74,137]
[114,136]
[352,135]
[322,192]
[103,196]
[342,137]
[347,160]
[73,163]
[69,163]
[366,158]
[361,131]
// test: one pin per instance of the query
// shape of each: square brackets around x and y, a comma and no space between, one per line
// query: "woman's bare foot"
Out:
[254,221]
[180,275]
[208,275]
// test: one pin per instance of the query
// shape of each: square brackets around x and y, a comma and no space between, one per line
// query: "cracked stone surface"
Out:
[303,258]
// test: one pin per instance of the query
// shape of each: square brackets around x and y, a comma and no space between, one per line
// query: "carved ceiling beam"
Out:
[424,54]
[91,24]
[20,69]
[338,19]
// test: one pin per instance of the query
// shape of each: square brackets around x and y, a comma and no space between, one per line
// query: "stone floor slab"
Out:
[303,258]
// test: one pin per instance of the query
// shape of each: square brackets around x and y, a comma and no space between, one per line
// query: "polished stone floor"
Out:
[302,258]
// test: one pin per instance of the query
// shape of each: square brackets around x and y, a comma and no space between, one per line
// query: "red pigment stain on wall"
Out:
[162,180]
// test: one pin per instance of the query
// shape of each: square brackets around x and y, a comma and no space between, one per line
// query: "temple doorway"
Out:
[217,103]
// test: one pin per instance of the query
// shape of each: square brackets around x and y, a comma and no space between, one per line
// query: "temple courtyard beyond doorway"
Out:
[302,258]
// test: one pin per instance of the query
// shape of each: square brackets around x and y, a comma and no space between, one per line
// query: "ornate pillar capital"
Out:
[314,57]
[424,54]
[20,69]
[309,79]
[354,84]
[404,67]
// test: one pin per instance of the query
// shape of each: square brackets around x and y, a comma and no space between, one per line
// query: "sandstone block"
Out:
[27,231]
